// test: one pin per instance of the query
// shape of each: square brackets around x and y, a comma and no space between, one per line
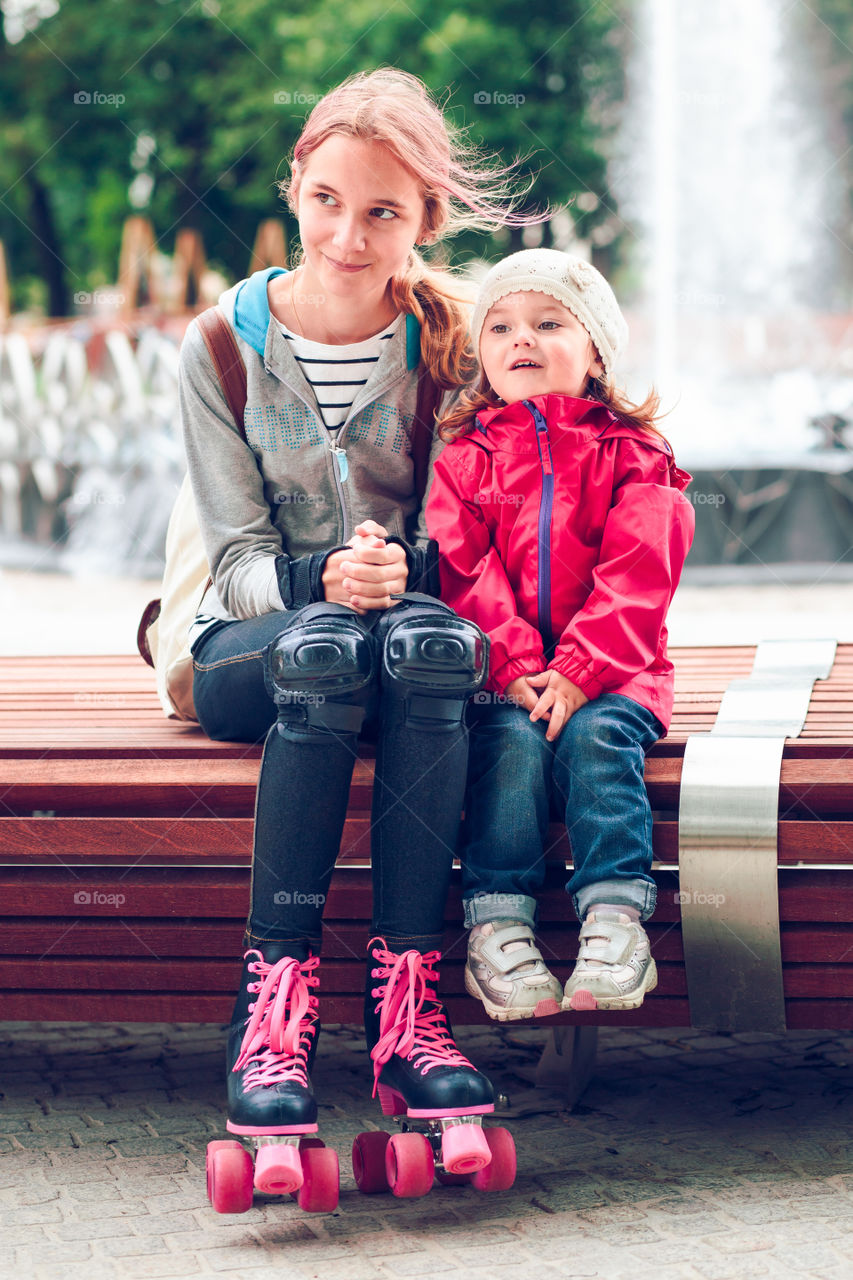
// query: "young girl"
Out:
[308,527]
[562,530]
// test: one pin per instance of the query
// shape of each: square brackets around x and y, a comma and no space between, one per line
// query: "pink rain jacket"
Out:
[562,532]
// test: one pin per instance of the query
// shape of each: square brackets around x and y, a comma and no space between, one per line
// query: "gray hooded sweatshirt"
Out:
[271,510]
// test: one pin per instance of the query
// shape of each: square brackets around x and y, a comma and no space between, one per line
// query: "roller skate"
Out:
[424,1082]
[271,1107]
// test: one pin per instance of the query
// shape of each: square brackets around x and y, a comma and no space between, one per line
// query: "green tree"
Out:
[201,101]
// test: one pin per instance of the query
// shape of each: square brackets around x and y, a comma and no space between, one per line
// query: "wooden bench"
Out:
[125,844]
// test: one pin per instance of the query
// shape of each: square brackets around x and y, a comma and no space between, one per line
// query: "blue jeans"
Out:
[591,777]
[303,792]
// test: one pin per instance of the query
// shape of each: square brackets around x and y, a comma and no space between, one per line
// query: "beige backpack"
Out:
[163,634]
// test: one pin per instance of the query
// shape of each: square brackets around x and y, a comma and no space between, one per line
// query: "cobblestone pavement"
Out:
[690,1155]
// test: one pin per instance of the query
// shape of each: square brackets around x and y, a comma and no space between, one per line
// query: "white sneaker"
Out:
[614,968]
[506,971]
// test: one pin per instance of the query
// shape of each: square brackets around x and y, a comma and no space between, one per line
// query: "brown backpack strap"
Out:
[423,428]
[150,615]
[219,339]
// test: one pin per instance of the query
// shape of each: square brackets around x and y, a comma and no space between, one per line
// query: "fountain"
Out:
[727,175]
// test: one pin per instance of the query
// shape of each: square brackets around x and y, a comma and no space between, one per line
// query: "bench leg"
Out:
[568,1061]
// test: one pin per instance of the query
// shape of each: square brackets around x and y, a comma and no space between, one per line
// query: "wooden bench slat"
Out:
[817,943]
[221,892]
[228,841]
[170,1006]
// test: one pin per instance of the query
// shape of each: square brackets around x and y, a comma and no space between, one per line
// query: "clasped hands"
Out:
[547,695]
[366,574]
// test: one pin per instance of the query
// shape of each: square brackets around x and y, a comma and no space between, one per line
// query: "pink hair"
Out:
[461,187]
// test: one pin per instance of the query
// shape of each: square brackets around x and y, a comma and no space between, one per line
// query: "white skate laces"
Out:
[614,968]
[282,1024]
[505,970]
[411,1020]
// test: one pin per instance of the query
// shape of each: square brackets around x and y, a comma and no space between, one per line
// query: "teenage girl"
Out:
[562,529]
[308,528]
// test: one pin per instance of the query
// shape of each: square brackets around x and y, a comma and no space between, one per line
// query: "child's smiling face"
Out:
[531,345]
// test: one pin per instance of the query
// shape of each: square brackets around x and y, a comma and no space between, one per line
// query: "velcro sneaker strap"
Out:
[493,949]
[618,948]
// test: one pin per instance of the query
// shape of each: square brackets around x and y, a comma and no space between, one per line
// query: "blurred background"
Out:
[701,155]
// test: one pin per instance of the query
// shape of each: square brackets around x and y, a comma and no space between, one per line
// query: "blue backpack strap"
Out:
[252,316]
[413,342]
[252,308]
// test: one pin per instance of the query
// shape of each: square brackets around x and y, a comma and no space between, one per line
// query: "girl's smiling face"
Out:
[360,213]
[531,345]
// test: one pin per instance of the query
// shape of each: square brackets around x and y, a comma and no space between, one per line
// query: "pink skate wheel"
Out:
[499,1173]
[212,1147]
[368,1162]
[409,1164]
[321,1180]
[229,1178]
[278,1169]
[464,1149]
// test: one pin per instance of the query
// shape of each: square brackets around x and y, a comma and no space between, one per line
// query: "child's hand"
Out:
[558,702]
[367,576]
[521,692]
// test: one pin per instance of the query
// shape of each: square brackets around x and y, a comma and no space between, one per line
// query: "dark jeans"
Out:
[303,792]
[591,777]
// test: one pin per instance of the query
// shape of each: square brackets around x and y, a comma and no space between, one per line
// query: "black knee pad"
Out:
[434,660]
[319,669]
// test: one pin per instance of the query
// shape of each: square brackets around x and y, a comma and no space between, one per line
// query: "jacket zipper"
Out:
[546,508]
[340,463]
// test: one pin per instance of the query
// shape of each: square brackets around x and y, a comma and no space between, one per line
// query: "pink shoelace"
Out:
[406,1027]
[283,1024]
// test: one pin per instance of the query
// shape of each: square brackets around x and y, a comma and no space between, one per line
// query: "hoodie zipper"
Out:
[546,508]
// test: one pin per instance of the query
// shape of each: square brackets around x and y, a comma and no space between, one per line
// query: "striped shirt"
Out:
[337,373]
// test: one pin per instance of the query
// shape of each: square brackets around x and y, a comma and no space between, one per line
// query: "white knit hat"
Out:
[572,281]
